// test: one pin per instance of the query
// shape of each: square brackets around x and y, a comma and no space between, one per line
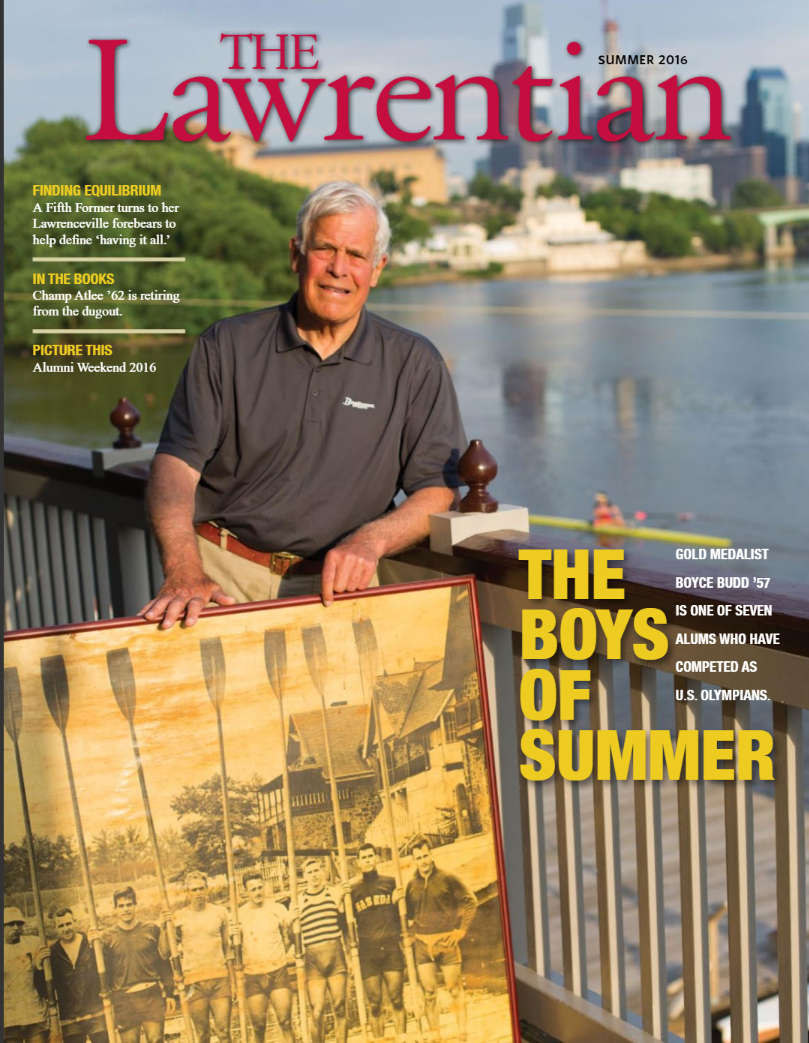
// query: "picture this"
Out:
[345,883]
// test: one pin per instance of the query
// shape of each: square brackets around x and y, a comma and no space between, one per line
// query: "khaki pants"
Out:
[247,581]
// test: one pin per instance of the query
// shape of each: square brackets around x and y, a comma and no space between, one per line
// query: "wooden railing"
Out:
[607,882]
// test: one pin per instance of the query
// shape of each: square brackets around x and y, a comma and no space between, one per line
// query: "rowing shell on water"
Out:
[633,532]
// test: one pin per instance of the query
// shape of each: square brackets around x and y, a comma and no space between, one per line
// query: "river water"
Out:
[679,393]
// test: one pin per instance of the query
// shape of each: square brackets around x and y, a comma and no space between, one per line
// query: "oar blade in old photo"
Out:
[122,679]
[56,689]
[314,648]
[367,650]
[12,702]
[275,659]
[213,668]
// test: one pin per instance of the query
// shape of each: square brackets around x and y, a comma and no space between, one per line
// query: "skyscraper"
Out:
[618,97]
[650,73]
[524,43]
[767,120]
[525,39]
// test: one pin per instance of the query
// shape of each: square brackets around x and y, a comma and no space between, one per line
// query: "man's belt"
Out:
[64,1022]
[141,986]
[279,562]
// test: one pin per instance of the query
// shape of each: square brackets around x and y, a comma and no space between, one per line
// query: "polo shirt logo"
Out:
[358,405]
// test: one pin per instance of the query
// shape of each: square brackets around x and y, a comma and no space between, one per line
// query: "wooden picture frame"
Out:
[118,736]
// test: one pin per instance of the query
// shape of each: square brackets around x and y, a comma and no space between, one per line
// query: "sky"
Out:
[51,71]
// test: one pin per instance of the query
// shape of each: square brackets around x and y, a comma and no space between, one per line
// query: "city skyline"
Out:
[725,41]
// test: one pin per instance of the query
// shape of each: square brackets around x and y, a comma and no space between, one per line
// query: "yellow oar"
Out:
[666,535]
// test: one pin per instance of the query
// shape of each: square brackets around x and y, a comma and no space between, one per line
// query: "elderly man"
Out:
[293,428]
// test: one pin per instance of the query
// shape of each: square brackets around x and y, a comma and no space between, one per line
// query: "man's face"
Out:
[12,932]
[66,927]
[126,910]
[423,857]
[197,892]
[313,875]
[337,271]
[255,891]
[367,860]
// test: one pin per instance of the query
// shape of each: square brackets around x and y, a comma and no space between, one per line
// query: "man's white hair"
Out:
[342,197]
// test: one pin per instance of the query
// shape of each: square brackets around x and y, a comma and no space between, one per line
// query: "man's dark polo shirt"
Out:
[296,451]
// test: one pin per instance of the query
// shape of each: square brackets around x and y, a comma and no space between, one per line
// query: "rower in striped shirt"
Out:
[322,921]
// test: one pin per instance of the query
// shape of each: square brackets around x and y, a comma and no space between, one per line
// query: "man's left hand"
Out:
[350,566]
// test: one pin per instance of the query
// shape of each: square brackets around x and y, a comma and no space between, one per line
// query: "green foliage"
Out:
[203,829]
[495,223]
[385,181]
[615,198]
[483,187]
[752,193]
[405,225]
[233,227]
[622,223]
[665,236]
[562,185]
[44,137]
[492,268]
[745,231]
[442,215]
[716,238]
[667,225]
[57,864]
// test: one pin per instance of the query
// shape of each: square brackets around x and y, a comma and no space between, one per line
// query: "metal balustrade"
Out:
[610,884]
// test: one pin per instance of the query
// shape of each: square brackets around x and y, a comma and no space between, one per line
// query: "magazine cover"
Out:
[305,300]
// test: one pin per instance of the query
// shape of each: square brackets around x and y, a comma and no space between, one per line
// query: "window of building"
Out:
[450,727]
[346,833]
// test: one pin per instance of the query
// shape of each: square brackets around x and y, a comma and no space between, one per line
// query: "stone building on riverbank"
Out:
[310,166]
[549,236]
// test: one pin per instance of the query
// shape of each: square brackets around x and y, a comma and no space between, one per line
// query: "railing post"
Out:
[127,447]
[532,818]
[649,848]
[128,558]
[571,882]
[741,875]
[479,512]
[693,884]
[790,846]
[608,852]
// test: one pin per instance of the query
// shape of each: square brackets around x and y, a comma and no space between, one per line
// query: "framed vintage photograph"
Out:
[280,823]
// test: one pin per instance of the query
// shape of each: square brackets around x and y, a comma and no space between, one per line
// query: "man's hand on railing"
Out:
[180,597]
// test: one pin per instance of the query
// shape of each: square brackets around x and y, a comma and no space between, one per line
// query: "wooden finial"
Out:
[125,416]
[477,468]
